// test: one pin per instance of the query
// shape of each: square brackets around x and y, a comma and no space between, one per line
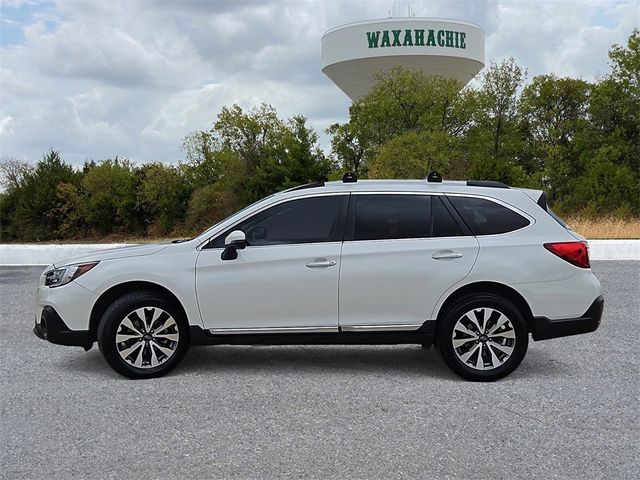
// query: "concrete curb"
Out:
[27,254]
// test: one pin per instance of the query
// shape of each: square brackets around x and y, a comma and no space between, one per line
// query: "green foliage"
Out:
[164,195]
[109,197]
[580,142]
[34,217]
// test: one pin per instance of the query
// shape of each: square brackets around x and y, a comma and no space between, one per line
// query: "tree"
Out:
[35,217]
[109,197]
[553,113]
[494,142]
[164,194]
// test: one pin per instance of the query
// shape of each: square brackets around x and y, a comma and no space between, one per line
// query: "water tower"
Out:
[352,53]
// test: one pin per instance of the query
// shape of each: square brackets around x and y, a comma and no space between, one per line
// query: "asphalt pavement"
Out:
[571,410]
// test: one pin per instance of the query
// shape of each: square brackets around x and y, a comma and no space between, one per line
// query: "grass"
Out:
[605,228]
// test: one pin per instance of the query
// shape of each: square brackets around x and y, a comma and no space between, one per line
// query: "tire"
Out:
[126,340]
[483,337]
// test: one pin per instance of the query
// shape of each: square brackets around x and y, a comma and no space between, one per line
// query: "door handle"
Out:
[446,255]
[321,263]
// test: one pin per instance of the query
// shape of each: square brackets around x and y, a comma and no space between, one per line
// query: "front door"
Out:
[401,253]
[286,279]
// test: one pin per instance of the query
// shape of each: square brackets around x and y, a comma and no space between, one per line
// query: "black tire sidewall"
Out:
[111,319]
[445,330]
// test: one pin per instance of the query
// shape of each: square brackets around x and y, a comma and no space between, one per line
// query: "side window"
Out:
[306,220]
[443,223]
[381,217]
[485,217]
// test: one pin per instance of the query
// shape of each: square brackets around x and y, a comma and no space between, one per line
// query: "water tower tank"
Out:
[352,53]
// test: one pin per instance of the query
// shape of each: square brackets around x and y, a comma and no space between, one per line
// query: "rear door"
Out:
[402,251]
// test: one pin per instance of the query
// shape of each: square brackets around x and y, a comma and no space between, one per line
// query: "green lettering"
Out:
[385,39]
[396,38]
[441,38]
[431,39]
[448,35]
[462,44]
[408,41]
[419,37]
[457,39]
[373,37]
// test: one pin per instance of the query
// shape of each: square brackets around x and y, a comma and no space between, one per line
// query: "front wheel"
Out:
[141,335]
[484,337]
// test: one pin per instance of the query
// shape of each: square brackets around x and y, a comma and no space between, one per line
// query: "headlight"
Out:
[63,275]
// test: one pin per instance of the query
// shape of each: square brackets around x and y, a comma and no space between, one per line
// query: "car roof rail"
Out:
[306,185]
[486,183]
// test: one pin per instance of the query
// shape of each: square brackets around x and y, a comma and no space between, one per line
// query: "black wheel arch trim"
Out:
[53,329]
[545,328]
[116,291]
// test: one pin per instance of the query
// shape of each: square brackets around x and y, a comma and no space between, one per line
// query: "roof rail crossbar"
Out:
[306,185]
[486,183]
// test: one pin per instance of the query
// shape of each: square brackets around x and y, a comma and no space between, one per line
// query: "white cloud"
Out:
[96,79]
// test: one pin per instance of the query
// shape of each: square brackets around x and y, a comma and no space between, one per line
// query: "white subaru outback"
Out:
[472,267]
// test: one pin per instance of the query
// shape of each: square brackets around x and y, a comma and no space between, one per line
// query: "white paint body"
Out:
[383,284]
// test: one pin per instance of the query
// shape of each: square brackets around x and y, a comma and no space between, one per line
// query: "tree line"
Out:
[579,141]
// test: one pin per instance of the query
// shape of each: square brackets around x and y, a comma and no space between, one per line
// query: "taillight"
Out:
[576,253]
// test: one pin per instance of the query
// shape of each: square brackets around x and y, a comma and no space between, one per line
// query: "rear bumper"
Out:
[53,329]
[544,328]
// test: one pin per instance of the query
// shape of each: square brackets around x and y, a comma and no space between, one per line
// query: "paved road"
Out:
[569,411]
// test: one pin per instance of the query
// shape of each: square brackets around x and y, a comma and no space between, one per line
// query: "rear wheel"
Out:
[141,335]
[484,337]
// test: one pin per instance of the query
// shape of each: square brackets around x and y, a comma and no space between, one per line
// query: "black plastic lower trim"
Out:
[53,329]
[425,336]
[545,328]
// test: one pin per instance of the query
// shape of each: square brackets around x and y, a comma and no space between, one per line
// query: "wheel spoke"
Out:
[167,351]
[474,319]
[123,337]
[129,324]
[138,361]
[501,321]
[168,322]
[169,336]
[505,334]
[154,356]
[479,360]
[502,348]
[458,342]
[495,361]
[129,350]
[468,355]
[461,328]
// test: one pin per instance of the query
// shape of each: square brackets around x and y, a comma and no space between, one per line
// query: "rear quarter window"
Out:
[486,217]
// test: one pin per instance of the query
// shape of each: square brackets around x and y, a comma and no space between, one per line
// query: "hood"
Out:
[113,253]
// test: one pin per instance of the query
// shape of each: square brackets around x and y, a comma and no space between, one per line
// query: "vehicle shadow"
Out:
[403,360]
[308,359]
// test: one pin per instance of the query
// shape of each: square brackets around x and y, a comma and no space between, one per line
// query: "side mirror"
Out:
[235,241]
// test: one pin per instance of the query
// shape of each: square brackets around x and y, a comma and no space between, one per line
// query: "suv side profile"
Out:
[473,267]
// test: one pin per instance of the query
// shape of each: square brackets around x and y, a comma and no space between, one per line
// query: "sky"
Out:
[96,79]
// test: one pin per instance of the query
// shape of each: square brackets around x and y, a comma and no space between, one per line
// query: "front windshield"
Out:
[208,230]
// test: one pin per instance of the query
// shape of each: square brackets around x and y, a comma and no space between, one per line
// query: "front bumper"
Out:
[53,329]
[545,328]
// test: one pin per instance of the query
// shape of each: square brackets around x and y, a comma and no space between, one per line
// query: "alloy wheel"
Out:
[147,337]
[483,338]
